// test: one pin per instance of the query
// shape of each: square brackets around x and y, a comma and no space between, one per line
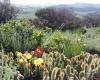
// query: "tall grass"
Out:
[65,42]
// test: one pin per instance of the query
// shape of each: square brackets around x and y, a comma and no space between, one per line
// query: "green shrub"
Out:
[73,44]
[81,30]
[65,42]
[19,35]
[92,39]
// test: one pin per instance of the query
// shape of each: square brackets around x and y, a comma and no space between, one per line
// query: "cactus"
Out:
[56,66]
[81,74]
[8,70]
[81,67]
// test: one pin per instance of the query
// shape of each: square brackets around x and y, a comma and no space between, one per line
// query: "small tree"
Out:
[7,12]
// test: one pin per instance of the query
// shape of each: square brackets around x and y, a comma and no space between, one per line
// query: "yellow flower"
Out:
[38,61]
[18,54]
[28,56]
[21,61]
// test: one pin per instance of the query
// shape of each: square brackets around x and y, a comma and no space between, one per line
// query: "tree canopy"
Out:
[56,18]
[7,12]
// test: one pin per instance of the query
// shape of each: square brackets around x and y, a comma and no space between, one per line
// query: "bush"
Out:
[7,12]
[92,40]
[91,20]
[56,18]
[16,35]
[79,31]
[68,43]
[19,35]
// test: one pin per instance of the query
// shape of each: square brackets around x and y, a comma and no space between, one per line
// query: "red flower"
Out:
[39,51]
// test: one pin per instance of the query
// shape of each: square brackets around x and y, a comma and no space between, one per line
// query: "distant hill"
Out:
[80,9]
[83,9]
[27,11]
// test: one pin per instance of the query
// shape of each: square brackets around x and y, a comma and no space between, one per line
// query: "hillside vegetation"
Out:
[55,44]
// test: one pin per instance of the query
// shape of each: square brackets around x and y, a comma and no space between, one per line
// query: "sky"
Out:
[52,2]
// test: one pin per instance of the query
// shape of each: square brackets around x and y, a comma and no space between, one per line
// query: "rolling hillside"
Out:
[80,9]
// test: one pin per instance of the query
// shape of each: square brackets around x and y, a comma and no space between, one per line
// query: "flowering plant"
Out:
[39,51]
[28,64]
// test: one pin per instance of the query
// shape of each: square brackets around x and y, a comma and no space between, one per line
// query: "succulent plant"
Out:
[52,66]
[81,67]
[8,70]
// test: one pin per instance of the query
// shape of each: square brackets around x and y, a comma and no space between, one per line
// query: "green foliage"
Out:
[92,39]
[54,40]
[18,35]
[65,42]
[81,30]
[8,70]
[74,44]
[38,35]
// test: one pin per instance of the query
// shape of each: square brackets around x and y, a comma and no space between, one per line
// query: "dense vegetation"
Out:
[56,48]
[64,18]
[56,18]
[52,66]
[20,35]
[7,12]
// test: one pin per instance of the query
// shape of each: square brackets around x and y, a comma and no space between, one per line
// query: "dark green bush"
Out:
[56,18]
[7,12]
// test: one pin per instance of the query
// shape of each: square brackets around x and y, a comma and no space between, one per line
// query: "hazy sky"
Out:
[49,2]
